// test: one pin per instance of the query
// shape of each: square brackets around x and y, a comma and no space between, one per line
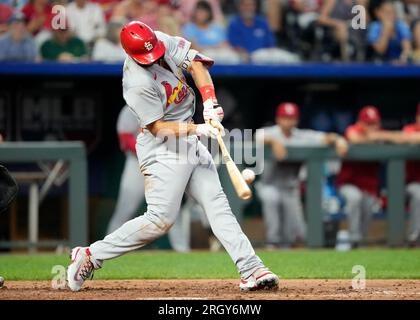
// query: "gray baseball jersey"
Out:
[285,174]
[157,93]
[153,93]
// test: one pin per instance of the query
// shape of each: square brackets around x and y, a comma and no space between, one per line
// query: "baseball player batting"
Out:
[155,88]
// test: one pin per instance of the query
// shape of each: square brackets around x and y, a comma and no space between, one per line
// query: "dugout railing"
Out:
[394,158]
[74,153]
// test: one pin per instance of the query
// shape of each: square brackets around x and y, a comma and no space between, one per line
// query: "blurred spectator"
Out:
[17,4]
[208,36]
[410,11]
[64,47]
[307,10]
[251,36]
[143,10]
[358,181]
[302,25]
[389,37]
[17,44]
[86,20]
[107,7]
[274,13]
[228,7]
[157,14]
[109,49]
[168,21]
[6,12]
[249,32]
[416,42]
[38,14]
[413,183]
[336,15]
[188,7]
[279,188]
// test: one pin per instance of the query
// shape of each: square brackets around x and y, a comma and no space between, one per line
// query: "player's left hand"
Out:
[216,124]
[214,112]
[341,147]
[206,130]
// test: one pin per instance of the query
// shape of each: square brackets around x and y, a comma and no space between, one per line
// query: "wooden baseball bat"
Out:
[241,187]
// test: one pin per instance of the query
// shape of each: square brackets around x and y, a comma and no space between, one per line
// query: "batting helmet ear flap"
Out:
[8,189]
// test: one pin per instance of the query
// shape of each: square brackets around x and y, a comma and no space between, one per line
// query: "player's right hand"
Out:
[206,130]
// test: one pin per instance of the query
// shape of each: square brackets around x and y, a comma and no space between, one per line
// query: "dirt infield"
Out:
[213,289]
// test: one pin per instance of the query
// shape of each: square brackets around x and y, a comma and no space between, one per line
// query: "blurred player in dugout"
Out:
[131,190]
[359,182]
[279,187]
[412,134]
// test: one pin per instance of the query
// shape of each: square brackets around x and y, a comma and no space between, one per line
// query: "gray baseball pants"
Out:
[171,167]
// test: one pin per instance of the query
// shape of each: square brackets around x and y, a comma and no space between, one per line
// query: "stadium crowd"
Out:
[241,31]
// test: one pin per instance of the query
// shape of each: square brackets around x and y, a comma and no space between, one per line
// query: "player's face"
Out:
[247,8]
[80,2]
[286,123]
[150,64]
[62,35]
[17,30]
[372,127]
[201,16]
[386,12]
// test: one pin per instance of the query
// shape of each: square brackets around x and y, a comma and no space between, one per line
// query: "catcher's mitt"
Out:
[8,189]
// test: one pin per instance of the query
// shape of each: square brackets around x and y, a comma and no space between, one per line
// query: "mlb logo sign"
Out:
[148,46]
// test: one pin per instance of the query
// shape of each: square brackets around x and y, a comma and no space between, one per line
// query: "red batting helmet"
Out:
[370,115]
[287,110]
[140,43]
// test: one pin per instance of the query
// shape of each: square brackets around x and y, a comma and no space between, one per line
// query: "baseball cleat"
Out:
[261,279]
[80,269]
[265,279]
[248,284]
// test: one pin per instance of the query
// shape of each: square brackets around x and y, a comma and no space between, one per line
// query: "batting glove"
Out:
[218,126]
[213,112]
[207,130]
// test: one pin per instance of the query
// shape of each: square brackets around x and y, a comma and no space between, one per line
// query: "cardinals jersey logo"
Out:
[168,90]
[176,95]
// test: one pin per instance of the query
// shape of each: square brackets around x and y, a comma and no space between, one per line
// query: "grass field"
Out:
[293,264]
